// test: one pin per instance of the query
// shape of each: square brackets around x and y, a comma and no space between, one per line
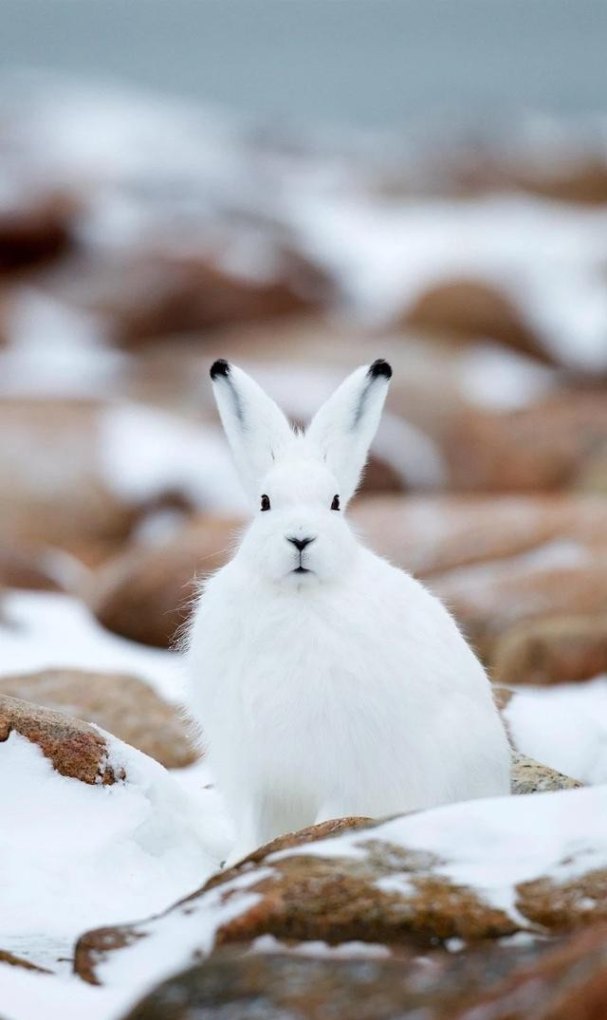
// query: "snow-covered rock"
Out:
[117,702]
[476,870]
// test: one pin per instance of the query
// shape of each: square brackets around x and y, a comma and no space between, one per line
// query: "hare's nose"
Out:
[301,543]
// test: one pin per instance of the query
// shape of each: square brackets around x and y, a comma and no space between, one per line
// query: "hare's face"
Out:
[299,535]
[300,484]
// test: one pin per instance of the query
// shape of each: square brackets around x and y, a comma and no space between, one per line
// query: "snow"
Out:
[343,951]
[110,853]
[28,996]
[498,379]
[564,726]
[546,258]
[41,630]
[182,936]
[146,452]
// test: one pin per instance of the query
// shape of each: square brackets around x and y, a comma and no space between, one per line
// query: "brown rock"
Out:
[562,980]
[382,893]
[146,594]
[293,839]
[428,535]
[581,178]
[18,961]
[584,183]
[333,900]
[34,228]
[475,309]
[555,443]
[233,985]
[336,900]
[553,905]
[567,983]
[27,569]
[52,490]
[75,749]
[153,294]
[528,776]
[491,599]
[555,649]
[122,705]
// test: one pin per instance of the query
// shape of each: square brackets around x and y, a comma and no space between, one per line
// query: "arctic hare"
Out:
[328,682]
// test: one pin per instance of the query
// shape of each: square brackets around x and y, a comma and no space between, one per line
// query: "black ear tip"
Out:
[219,367]
[380,367]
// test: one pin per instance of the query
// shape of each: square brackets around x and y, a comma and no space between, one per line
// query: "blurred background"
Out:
[303,187]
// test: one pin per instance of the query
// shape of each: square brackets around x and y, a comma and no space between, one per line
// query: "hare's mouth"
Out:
[301,570]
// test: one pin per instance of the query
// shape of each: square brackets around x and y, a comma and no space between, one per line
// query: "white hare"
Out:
[328,682]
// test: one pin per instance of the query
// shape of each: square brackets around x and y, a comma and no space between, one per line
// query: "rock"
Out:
[122,705]
[528,776]
[75,749]
[429,535]
[558,442]
[565,980]
[567,983]
[145,295]
[580,178]
[146,594]
[34,227]
[555,649]
[234,986]
[29,569]
[475,871]
[53,489]
[278,985]
[491,599]
[294,839]
[18,961]
[474,309]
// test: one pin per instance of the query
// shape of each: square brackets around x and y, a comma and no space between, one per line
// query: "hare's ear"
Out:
[255,427]
[344,427]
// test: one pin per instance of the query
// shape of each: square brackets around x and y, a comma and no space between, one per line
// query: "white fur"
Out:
[345,690]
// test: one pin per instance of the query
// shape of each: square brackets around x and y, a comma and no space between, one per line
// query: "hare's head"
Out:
[300,483]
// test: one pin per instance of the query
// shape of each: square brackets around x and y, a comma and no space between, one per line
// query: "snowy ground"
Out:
[74,856]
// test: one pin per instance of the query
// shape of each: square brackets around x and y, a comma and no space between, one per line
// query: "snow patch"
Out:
[146,453]
[182,936]
[564,726]
[343,951]
[45,630]
[75,856]
[495,378]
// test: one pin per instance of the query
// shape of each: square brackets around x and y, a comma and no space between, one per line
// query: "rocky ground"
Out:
[138,241]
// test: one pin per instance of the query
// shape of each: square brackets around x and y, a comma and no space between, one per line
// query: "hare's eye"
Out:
[335,503]
[265,502]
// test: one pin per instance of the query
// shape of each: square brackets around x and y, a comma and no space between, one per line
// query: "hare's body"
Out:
[333,683]
[311,713]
